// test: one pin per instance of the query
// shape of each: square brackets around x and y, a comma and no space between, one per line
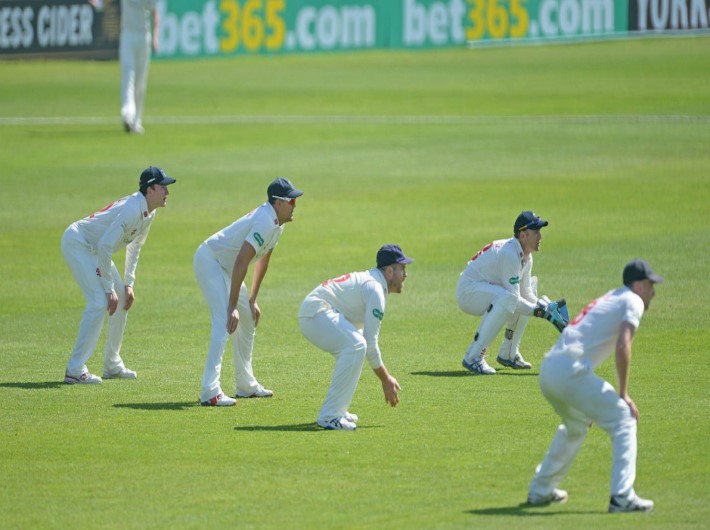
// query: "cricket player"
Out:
[497,284]
[134,50]
[221,264]
[88,246]
[567,379]
[343,316]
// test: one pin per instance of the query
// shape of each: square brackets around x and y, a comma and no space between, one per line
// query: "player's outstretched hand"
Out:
[390,387]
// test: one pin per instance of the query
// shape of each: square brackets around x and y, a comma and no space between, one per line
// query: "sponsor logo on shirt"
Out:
[259,239]
[98,272]
[514,280]
[379,315]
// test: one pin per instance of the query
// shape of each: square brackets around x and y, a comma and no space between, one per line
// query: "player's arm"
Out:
[239,272]
[374,298]
[623,363]
[156,29]
[260,268]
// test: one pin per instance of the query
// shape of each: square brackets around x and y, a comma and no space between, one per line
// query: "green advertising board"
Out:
[200,28]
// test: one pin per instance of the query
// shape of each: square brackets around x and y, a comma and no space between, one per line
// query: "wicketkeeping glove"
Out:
[556,312]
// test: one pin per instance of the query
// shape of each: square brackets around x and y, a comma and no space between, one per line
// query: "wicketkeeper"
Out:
[497,285]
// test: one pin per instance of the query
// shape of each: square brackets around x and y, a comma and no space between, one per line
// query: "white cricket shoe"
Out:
[122,373]
[220,400]
[479,366]
[337,424]
[631,503]
[516,362]
[352,418]
[258,392]
[558,496]
[84,379]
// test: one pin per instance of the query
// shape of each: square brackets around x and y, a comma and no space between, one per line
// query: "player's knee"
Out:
[576,430]
[508,302]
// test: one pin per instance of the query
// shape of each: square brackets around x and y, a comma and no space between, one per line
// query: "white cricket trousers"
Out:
[134,56]
[579,396]
[215,283]
[332,332]
[499,307]
[84,264]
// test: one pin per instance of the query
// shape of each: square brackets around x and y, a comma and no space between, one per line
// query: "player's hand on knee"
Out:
[111,302]
[232,319]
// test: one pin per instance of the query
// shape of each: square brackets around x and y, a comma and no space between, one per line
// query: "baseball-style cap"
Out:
[282,188]
[391,254]
[528,220]
[639,269]
[154,175]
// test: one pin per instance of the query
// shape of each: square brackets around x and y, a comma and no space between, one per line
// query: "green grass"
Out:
[459,451]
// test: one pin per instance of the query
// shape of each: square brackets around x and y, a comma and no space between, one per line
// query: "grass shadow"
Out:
[180,405]
[35,386]
[526,510]
[442,373]
[299,427]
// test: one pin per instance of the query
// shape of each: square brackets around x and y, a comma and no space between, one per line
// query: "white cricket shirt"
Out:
[592,334]
[134,15]
[502,262]
[360,298]
[260,228]
[123,223]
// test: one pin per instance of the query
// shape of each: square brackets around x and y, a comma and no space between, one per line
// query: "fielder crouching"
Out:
[343,316]
[497,285]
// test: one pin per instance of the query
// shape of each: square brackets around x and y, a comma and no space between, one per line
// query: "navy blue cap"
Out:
[639,269]
[391,254]
[154,175]
[528,220]
[282,188]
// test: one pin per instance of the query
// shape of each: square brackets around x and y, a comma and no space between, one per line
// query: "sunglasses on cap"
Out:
[291,201]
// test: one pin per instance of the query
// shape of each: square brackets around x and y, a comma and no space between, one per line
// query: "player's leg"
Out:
[613,414]
[243,341]
[84,267]
[498,305]
[509,352]
[113,364]
[214,283]
[141,83]
[558,381]
[331,332]
[128,79]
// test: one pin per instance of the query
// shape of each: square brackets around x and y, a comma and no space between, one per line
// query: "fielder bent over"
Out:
[221,264]
[580,397]
[497,285]
[88,246]
[343,316]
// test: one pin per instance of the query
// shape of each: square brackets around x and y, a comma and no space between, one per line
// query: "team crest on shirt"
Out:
[145,213]
[379,315]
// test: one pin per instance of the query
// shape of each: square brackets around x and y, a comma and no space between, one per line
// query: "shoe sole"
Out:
[511,364]
[208,404]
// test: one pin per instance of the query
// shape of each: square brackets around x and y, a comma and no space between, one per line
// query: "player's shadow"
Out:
[45,385]
[299,427]
[179,405]
[442,373]
[465,373]
[525,510]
